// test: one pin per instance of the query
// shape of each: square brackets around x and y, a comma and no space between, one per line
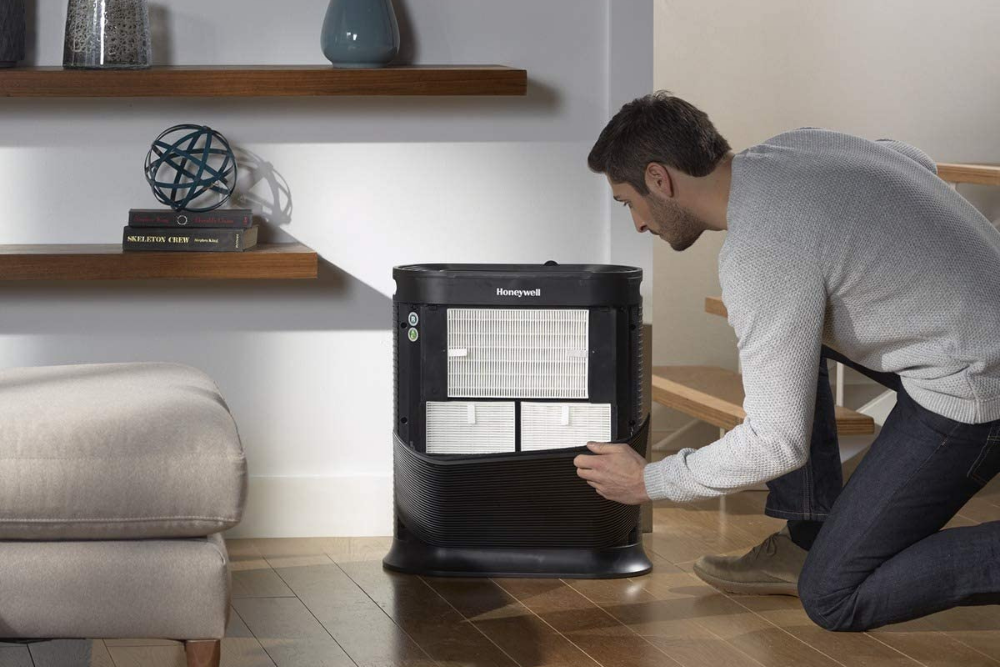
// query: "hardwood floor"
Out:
[327,602]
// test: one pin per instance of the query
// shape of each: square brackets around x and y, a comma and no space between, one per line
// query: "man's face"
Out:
[659,215]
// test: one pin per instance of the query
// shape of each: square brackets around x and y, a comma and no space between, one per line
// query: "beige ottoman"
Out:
[115,480]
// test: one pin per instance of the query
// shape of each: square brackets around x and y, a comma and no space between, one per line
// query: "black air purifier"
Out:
[503,373]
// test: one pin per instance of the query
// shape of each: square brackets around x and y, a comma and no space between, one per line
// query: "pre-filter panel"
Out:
[563,425]
[517,353]
[470,428]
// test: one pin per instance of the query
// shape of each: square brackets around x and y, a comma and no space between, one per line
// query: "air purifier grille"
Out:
[563,425]
[517,353]
[530,499]
[502,373]
[470,428]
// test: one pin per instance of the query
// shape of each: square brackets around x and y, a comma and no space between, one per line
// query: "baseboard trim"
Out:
[341,506]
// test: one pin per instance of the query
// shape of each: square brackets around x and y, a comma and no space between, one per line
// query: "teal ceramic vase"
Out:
[360,33]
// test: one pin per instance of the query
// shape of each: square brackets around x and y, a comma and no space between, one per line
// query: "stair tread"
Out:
[715,306]
[715,395]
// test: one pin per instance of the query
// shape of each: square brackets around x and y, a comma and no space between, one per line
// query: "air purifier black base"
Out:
[415,557]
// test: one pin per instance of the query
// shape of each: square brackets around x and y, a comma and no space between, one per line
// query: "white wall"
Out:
[915,70]
[373,182]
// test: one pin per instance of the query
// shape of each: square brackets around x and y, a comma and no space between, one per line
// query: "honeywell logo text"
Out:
[519,292]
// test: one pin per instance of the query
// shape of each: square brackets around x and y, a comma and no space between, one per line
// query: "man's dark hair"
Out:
[657,128]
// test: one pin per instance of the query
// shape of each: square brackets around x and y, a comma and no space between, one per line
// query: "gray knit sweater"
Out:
[858,245]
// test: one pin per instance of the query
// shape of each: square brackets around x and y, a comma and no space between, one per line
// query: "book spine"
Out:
[225,219]
[189,240]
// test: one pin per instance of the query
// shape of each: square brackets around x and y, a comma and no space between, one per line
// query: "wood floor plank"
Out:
[353,549]
[71,653]
[666,622]
[240,648]
[361,627]
[139,641]
[15,656]
[292,552]
[381,619]
[731,525]
[593,630]
[148,656]
[712,528]
[433,624]
[259,583]
[252,574]
[280,547]
[512,626]
[742,629]
[920,640]
[681,543]
[980,509]
[976,627]
[290,634]
[851,649]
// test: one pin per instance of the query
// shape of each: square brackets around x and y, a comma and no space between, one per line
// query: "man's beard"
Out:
[674,224]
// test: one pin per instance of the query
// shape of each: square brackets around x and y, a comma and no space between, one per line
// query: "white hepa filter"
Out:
[563,425]
[517,353]
[470,428]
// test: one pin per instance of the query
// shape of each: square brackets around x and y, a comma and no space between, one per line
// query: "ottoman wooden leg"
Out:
[203,653]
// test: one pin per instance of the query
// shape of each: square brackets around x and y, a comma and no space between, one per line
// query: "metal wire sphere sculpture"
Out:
[202,163]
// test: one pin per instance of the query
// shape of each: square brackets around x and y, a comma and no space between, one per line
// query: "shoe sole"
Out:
[747,588]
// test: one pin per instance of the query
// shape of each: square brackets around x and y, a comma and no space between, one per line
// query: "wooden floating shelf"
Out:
[109,262]
[263,81]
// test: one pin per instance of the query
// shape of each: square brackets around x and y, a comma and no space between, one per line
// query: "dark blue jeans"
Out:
[882,556]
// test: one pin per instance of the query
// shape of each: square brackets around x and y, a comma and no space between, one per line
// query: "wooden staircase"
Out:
[715,395]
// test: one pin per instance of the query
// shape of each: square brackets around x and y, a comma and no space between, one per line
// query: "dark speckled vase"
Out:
[11,32]
[107,34]
[360,33]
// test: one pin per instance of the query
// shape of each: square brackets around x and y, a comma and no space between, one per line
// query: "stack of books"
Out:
[229,230]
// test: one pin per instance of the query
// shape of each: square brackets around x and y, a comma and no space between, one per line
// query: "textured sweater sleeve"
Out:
[912,152]
[776,298]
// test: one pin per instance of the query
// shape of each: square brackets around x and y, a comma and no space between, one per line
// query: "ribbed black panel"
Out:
[395,363]
[520,500]
[639,344]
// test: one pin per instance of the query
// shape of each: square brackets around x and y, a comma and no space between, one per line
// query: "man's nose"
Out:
[640,226]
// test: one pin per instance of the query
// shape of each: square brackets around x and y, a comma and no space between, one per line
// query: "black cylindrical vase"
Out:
[12,28]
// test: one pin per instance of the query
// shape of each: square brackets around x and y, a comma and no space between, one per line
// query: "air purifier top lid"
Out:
[518,285]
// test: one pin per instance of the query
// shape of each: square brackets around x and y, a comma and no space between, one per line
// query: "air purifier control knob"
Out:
[413,319]
[413,334]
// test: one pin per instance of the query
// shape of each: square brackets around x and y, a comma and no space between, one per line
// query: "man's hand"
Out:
[615,470]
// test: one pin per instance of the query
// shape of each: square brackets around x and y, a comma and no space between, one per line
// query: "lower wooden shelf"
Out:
[280,261]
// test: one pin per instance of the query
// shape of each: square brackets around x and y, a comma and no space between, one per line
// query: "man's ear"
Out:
[658,179]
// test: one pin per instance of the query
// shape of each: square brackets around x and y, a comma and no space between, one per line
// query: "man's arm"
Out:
[776,298]
[911,152]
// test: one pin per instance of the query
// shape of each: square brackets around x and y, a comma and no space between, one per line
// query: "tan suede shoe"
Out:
[770,568]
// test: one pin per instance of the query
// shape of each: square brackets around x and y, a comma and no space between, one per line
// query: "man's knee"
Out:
[829,608]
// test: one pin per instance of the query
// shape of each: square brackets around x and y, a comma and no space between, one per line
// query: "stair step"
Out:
[715,395]
[715,306]
[980,174]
